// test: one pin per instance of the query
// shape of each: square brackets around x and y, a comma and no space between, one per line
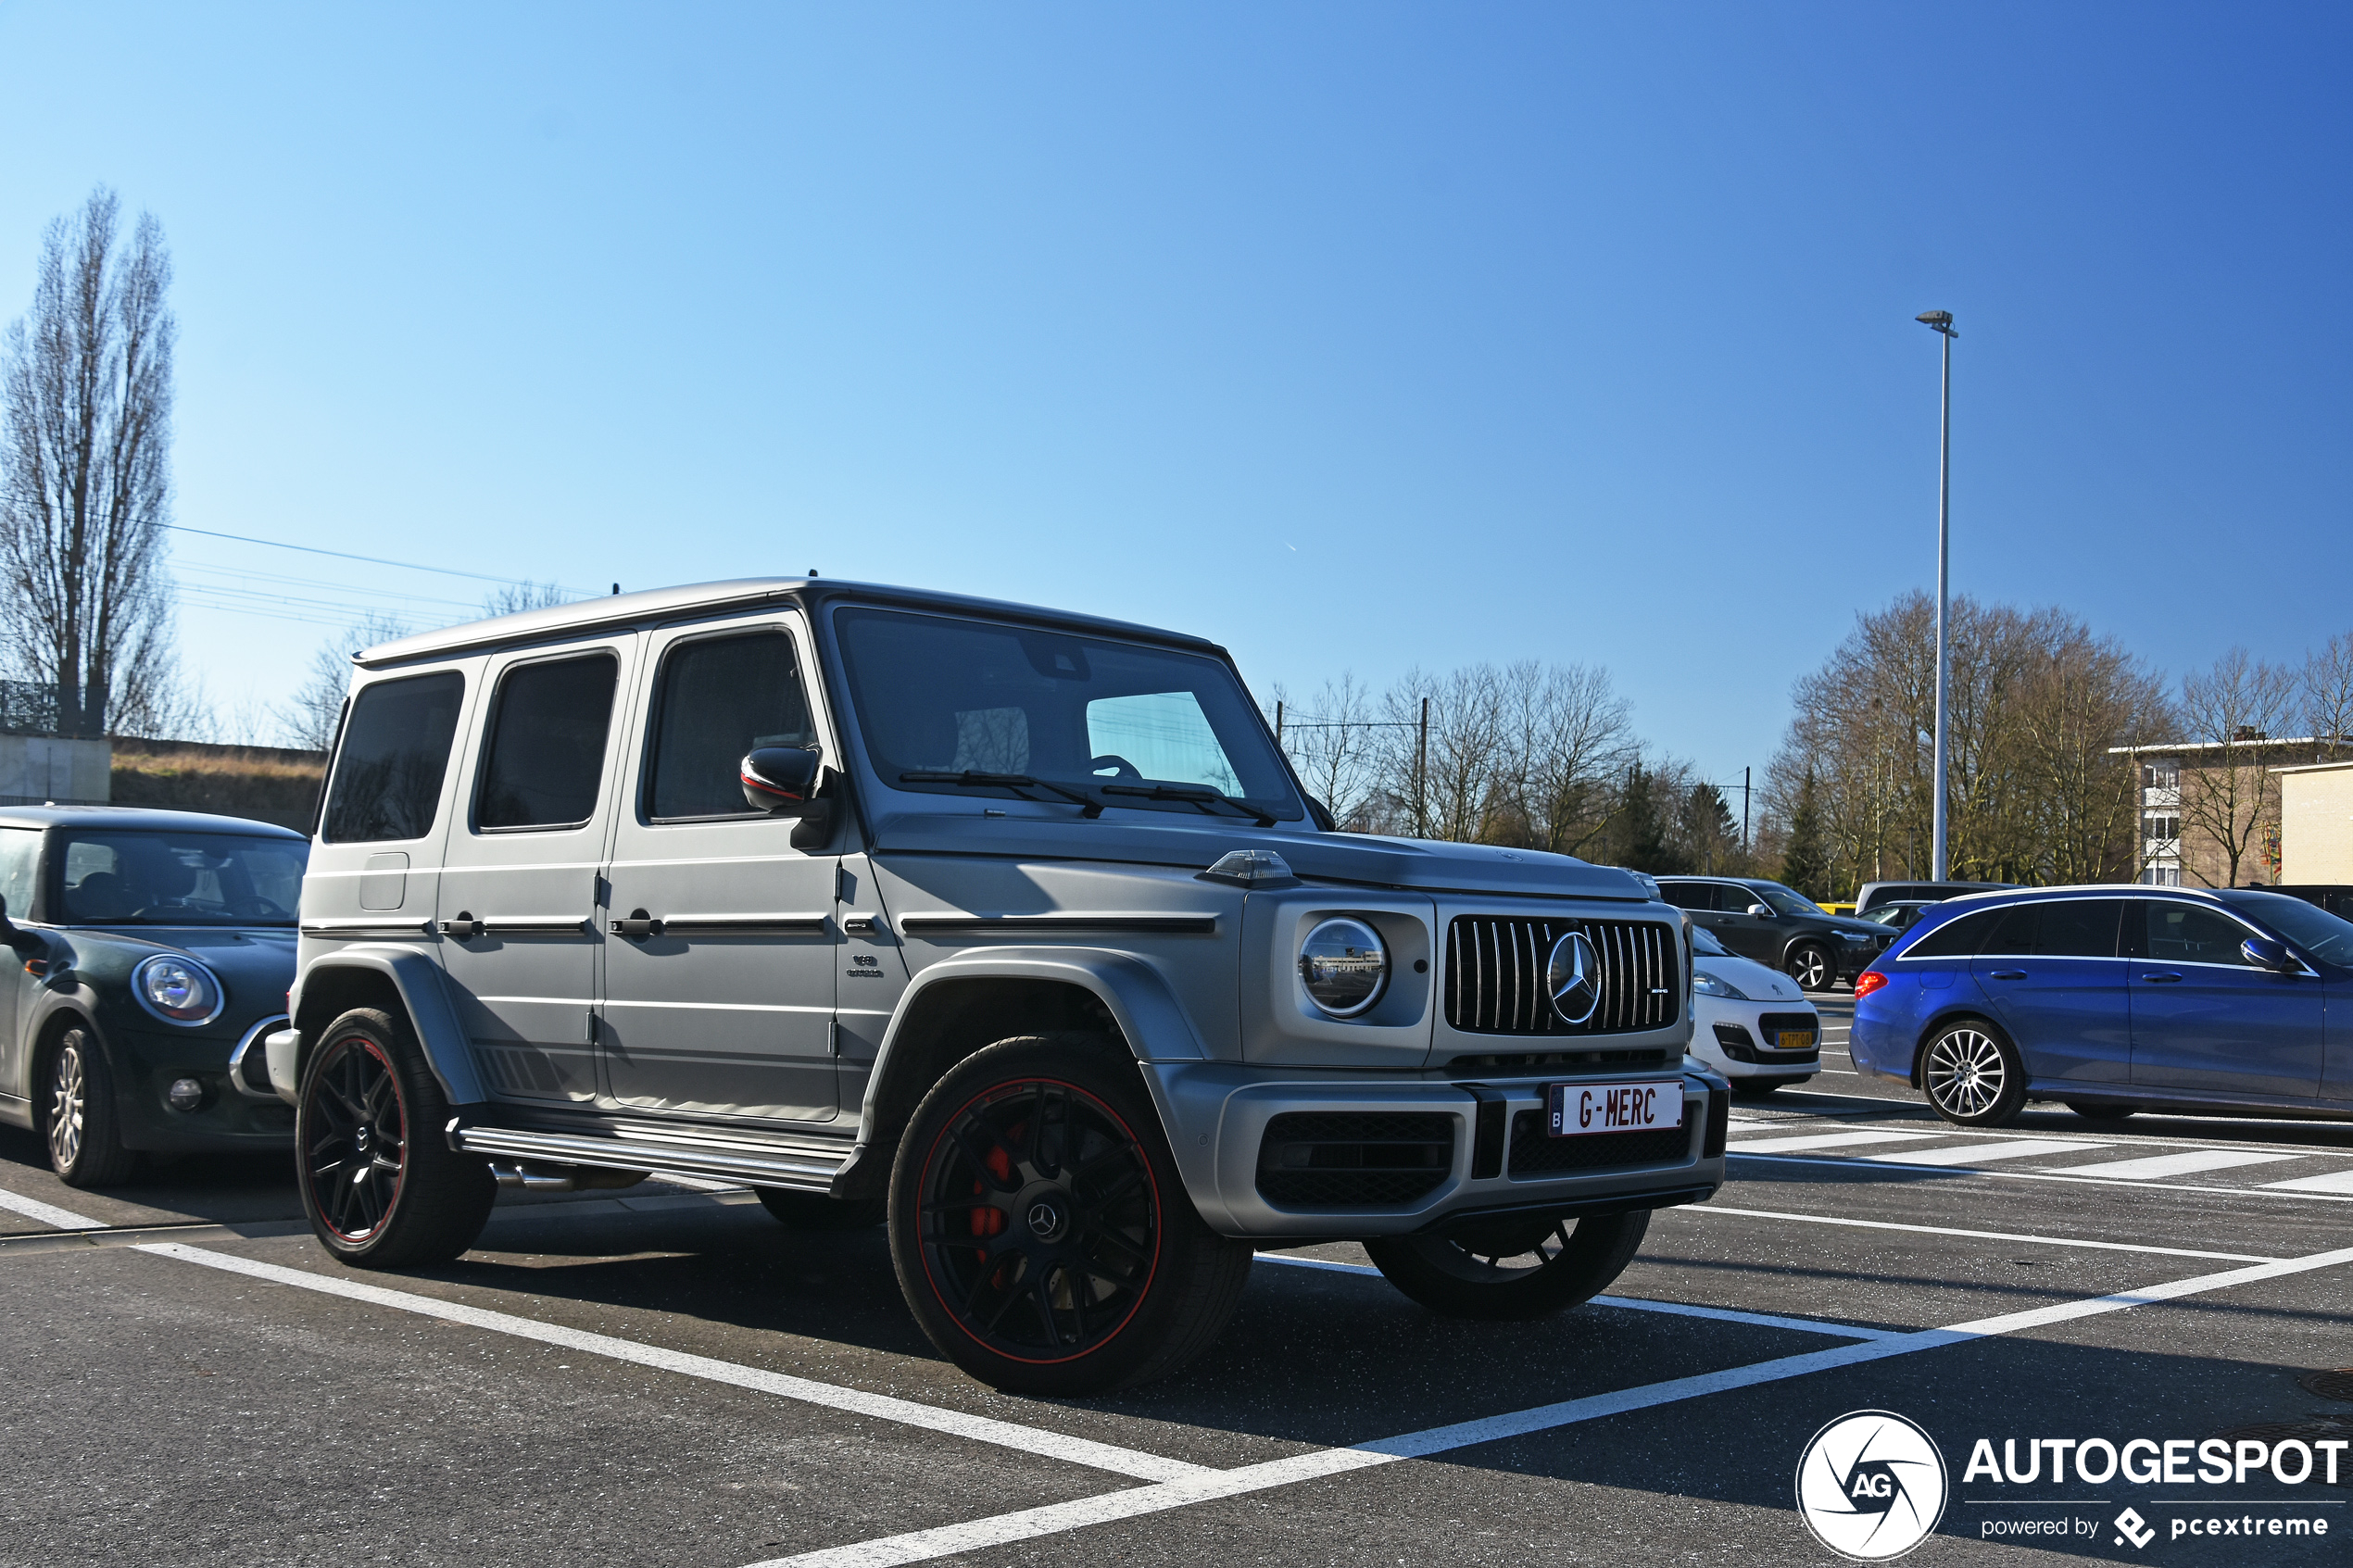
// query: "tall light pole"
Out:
[1941,322]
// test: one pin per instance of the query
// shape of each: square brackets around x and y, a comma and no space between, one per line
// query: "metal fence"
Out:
[28,708]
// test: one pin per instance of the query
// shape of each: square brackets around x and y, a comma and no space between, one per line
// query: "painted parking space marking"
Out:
[1031,1440]
[1822,1140]
[2184,1164]
[2335,1181]
[1977,1235]
[923,1546]
[2055,1174]
[1970,1153]
[1638,1304]
[47,1213]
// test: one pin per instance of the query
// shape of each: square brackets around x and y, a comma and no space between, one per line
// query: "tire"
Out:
[1040,1232]
[814,1212]
[1811,965]
[1512,1270]
[2092,1113]
[381,1188]
[1972,1076]
[80,1119]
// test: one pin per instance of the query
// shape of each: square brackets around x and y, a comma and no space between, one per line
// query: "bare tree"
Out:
[1334,743]
[2328,696]
[516,597]
[85,484]
[310,715]
[1574,736]
[2228,798]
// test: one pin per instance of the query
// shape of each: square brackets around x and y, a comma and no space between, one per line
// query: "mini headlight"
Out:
[179,989]
[1708,985]
[1344,966]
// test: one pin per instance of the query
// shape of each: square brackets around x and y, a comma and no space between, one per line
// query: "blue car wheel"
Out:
[1974,1076]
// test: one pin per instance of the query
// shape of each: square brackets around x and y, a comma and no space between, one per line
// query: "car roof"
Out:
[662,604]
[139,819]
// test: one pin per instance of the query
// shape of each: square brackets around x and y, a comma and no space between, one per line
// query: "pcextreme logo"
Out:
[1871,1486]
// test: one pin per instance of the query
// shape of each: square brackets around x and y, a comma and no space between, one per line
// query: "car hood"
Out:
[1422,864]
[1759,983]
[256,965]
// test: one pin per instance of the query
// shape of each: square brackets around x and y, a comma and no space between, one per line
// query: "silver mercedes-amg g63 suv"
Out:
[1009,928]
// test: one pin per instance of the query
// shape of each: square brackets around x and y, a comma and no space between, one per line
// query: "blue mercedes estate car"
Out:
[2114,1000]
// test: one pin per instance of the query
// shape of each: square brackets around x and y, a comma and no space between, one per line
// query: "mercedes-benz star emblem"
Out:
[1045,1219]
[1573,977]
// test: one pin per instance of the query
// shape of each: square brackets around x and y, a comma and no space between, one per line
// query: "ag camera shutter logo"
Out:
[1871,1486]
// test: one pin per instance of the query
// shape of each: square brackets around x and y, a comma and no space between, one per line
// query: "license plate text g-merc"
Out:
[1574,1108]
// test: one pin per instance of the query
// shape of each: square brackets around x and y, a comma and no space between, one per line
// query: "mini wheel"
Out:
[1512,1269]
[815,1211]
[1974,1076]
[84,1132]
[380,1186]
[1040,1231]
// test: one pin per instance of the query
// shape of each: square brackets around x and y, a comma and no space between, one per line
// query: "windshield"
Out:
[1705,945]
[1018,710]
[1784,900]
[175,878]
[2326,937]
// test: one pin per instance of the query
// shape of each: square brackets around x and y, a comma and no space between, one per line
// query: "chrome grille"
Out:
[1495,975]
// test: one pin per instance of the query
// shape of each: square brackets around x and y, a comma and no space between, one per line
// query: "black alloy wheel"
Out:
[1812,967]
[1512,1269]
[1040,1228]
[79,1123]
[1972,1076]
[380,1186]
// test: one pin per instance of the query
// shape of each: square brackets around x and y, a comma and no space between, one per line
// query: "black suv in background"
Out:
[1779,926]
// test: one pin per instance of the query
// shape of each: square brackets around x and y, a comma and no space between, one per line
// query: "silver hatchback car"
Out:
[1009,928]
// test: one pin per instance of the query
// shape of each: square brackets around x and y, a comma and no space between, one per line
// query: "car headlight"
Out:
[1855,936]
[1708,985]
[179,989]
[1344,965]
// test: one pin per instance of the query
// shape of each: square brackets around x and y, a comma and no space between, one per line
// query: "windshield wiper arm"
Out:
[971,778]
[1198,794]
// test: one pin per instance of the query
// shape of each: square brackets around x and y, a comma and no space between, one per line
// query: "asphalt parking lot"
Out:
[666,1376]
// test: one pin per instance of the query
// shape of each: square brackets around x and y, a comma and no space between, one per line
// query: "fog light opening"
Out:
[186,1094]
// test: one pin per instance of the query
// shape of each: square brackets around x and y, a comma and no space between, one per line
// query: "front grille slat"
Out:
[1497,981]
[1354,1159]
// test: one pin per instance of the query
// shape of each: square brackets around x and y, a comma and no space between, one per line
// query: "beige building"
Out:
[2316,823]
[2191,790]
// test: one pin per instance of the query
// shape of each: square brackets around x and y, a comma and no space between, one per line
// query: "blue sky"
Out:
[1355,336]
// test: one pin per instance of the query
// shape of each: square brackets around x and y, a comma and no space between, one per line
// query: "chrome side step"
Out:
[801,1168]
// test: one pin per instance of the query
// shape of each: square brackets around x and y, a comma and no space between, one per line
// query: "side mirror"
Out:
[781,780]
[2264,953]
[1762,911]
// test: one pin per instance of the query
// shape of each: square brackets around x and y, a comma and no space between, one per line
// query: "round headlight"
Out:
[1344,966]
[181,989]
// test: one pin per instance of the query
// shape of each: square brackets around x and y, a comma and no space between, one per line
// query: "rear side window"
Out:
[547,751]
[1956,938]
[1687,895]
[395,749]
[719,699]
[2067,928]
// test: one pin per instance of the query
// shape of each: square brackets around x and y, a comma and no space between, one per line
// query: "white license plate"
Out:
[1571,1110]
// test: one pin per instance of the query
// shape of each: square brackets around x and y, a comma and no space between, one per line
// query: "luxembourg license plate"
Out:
[1574,1108]
[1793,1040]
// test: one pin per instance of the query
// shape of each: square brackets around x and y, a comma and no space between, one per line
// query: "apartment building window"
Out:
[2162,775]
[2159,829]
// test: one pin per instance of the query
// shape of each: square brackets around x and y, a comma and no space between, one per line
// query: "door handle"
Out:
[638,926]
[2007,975]
[463,928]
[2168,978]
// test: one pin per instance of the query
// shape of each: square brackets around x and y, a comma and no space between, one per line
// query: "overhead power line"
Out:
[371,560]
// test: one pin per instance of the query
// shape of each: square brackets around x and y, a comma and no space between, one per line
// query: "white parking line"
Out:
[2185,1164]
[1970,1153]
[980,1428]
[1980,1235]
[1871,1162]
[2335,1181]
[47,1213]
[923,1546]
[1637,1304]
[1822,1140]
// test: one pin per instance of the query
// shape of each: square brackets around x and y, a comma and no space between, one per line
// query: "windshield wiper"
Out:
[1198,794]
[971,779]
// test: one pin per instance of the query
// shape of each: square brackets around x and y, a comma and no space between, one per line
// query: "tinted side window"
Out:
[2079,928]
[2188,933]
[717,700]
[395,748]
[19,868]
[1957,938]
[1687,895]
[546,751]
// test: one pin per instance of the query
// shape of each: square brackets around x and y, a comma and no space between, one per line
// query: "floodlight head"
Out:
[1937,320]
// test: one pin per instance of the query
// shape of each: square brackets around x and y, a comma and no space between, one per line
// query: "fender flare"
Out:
[418,979]
[1153,1023]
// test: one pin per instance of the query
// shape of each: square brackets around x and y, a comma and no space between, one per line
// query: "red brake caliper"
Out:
[991,1221]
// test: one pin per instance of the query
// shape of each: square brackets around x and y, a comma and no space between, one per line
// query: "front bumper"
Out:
[1731,1037]
[230,1116]
[1217,1115]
